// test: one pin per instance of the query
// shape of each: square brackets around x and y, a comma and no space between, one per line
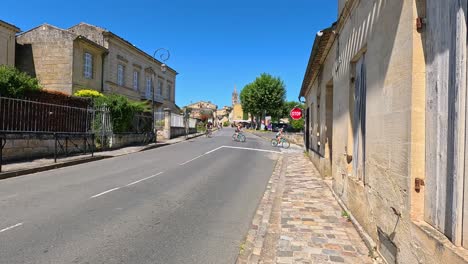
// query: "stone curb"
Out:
[17,173]
[22,172]
[251,249]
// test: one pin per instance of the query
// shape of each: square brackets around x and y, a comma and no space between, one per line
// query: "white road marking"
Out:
[261,150]
[11,227]
[144,179]
[108,191]
[211,151]
[188,161]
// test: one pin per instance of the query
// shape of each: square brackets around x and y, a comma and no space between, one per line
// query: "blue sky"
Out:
[214,44]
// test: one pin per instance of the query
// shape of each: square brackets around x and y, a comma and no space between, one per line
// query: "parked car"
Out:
[275,127]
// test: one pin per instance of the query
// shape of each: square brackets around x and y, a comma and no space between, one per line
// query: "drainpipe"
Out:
[103,57]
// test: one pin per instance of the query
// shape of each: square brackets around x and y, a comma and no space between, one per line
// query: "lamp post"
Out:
[164,56]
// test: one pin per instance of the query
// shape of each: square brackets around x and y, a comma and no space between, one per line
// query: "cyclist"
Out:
[209,126]
[279,135]
[238,129]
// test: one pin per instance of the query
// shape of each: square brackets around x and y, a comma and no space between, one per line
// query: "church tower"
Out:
[235,97]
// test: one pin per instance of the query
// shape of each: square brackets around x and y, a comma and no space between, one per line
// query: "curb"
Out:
[11,174]
[253,243]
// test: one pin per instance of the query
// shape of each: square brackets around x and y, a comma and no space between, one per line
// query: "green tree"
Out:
[14,83]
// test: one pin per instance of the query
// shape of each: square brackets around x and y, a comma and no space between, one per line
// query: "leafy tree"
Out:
[265,95]
[14,83]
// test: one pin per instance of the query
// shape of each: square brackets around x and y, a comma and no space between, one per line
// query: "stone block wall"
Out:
[46,52]
[123,140]
[27,148]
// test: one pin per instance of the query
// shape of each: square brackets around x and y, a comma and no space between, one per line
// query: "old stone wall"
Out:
[79,80]
[46,52]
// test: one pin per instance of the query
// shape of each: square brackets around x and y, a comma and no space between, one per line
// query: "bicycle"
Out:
[239,137]
[208,133]
[283,142]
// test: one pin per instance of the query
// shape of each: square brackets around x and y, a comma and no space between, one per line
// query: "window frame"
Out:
[88,65]
[120,74]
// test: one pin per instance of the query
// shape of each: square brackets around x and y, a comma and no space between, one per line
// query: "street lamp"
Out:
[164,56]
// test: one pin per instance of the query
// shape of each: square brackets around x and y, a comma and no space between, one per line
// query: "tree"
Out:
[265,95]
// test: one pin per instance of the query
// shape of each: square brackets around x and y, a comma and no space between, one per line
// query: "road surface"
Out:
[190,202]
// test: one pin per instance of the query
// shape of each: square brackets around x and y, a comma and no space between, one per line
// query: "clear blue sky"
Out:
[214,44]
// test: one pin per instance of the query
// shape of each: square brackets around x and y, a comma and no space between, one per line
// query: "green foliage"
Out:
[122,110]
[266,95]
[14,83]
[88,93]
[226,123]
[297,124]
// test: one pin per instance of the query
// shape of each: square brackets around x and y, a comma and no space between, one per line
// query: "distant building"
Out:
[237,114]
[198,109]
[7,43]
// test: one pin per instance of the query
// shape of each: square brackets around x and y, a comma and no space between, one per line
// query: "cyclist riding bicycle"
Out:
[209,127]
[238,129]
[279,135]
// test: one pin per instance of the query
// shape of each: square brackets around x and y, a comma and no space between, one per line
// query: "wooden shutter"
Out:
[359,119]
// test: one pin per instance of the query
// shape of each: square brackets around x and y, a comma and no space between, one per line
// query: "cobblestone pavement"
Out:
[299,221]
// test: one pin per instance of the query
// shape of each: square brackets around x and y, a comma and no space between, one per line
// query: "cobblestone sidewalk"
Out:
[299,221]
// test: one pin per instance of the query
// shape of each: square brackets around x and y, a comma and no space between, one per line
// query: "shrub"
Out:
[89,93]
[14,83]
[226,123]
[121,109]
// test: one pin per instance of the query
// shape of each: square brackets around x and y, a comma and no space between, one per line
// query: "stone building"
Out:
[61,60]
[385,90]
[199,108]
[7,43]
[130,71]
[237,114]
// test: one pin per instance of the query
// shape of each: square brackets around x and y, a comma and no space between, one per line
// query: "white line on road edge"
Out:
[144,179]
[261,150]
[108,191]
[11,227]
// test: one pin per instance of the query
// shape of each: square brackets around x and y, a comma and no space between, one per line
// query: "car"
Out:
[275,127]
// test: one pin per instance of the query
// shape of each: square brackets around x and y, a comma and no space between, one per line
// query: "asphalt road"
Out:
[190,202]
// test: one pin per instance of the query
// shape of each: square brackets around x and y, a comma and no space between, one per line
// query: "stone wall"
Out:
[180,131]
[27,148]
[123,140]
[46,52]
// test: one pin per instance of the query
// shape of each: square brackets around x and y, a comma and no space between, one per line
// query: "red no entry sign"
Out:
[296,113]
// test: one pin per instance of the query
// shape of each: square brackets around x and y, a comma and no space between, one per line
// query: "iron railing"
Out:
[18,115]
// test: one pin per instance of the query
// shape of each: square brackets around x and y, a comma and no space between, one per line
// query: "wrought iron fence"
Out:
[18,115]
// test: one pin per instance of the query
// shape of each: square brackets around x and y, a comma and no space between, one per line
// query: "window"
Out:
[120,74]
[168,92]
[88,65]
[136,76]
[160,88]
[359,119]
[148,87]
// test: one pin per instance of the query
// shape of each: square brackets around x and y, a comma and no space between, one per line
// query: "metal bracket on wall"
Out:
[2,145]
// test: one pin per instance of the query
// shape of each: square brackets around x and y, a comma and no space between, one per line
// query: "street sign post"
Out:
[296,113]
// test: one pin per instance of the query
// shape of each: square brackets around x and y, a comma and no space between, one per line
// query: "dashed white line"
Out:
[144,179]
[108,191]
[11,227]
